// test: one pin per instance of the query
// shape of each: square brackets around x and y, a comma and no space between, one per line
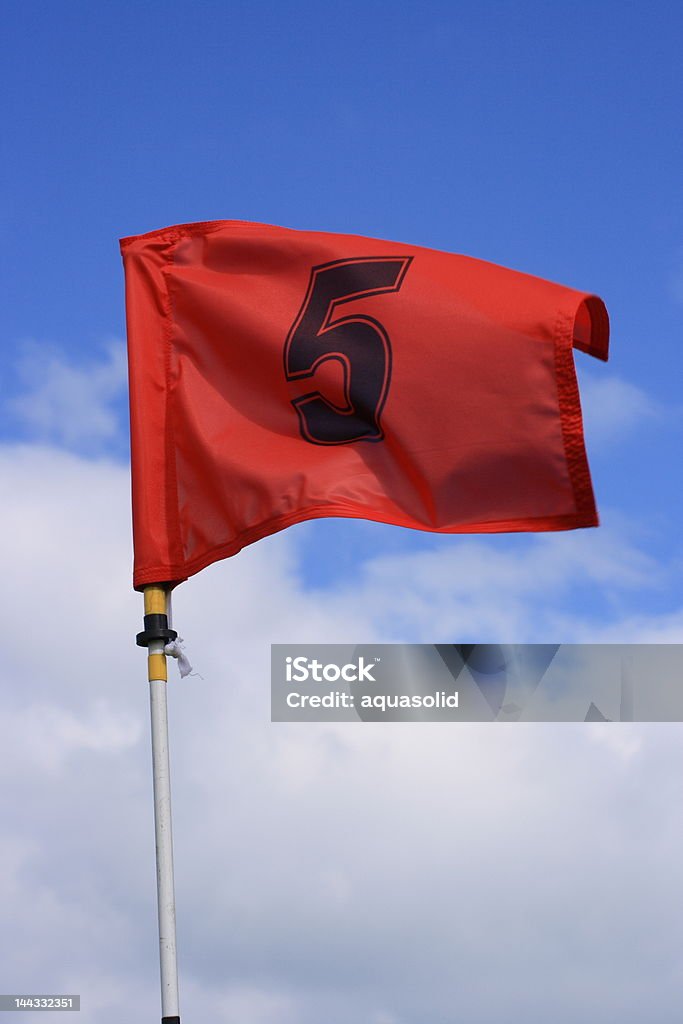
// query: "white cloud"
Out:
[478,591]
[380,874]
[613,408]
[372,873]
[70,405]
[45,735]
[666,628]
[626,741]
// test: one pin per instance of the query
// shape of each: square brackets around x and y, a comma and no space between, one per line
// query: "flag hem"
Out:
[178,573]
[569,399]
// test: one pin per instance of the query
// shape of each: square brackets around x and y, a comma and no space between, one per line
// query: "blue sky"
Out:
[542,136]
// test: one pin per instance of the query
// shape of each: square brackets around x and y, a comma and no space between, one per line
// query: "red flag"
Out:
[279,375]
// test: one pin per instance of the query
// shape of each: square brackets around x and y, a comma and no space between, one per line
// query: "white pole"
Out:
[156,598]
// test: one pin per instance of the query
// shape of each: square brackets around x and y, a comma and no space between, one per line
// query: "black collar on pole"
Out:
[156,628]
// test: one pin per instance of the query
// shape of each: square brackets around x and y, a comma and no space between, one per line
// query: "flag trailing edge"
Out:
[279,375]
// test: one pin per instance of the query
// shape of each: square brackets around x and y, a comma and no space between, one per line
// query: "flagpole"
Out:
[154,637]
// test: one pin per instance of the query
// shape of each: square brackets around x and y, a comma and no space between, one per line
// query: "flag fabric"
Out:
[278,376]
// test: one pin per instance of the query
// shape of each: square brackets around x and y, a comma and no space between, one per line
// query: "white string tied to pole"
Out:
[174,649]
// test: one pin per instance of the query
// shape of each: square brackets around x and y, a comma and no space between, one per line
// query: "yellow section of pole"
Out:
[156,666]
[155,604]
[155,600]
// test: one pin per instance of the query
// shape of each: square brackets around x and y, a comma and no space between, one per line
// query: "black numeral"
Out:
[360,343]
